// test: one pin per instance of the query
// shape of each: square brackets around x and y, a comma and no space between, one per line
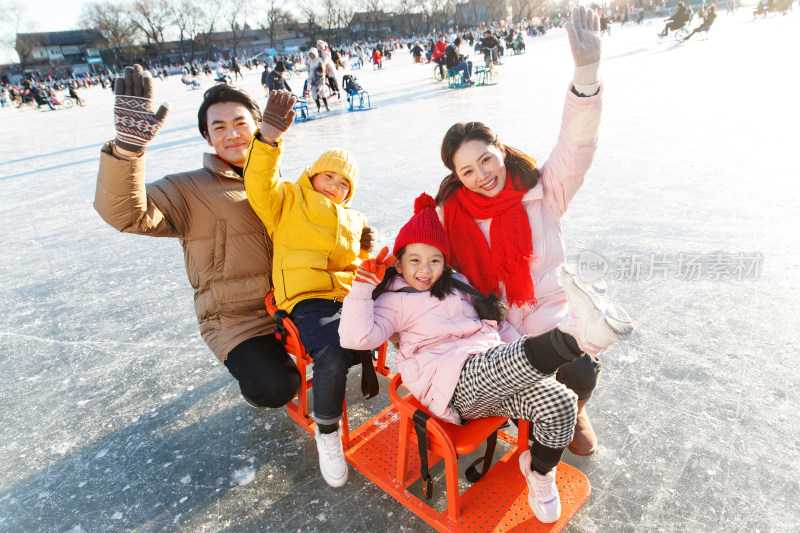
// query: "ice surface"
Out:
[117,417]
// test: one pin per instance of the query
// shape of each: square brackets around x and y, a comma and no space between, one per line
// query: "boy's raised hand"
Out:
[372,270]
[134,118]
[277,116]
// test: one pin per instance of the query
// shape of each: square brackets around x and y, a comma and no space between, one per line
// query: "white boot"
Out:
[542,491]
[332,463]
[594,321]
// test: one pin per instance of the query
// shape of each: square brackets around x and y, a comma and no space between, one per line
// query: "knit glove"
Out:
[585,41]
[134,119]
[368,238]
[372,270]
[278,115]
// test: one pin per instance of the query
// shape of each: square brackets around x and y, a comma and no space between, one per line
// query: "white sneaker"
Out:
[594,321]
[332,463]
[542,491]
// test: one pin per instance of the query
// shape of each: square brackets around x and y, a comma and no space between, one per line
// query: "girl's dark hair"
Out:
[518,163]
[225,93]
[440,289]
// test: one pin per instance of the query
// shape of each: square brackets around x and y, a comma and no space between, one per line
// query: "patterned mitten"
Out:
[278,115]
[584,40]
[134,118]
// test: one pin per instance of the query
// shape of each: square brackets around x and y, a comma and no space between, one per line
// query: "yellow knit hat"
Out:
[337,160]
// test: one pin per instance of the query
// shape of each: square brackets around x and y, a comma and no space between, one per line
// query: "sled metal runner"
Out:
[384,449]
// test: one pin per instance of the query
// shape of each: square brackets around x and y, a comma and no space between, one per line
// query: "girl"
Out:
[455,362]
[318,88]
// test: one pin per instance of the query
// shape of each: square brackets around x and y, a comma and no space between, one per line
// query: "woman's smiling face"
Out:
[480,167]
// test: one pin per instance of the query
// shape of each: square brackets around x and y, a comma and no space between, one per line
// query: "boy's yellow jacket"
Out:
[316,242]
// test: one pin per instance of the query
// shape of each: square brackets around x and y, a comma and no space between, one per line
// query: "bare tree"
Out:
[211,10]
[189,19]
[235,14]
[15,23]
[111,21]
[344,14]
[153,18]
[525,9]
[404,8]
[424,7]
[310,15]
[372,15]
[277,17]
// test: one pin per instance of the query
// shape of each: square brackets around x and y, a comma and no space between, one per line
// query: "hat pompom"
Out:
[423,201]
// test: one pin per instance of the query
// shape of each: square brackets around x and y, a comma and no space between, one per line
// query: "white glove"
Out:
[585,42]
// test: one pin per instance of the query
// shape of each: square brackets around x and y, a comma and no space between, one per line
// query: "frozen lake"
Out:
[117,417]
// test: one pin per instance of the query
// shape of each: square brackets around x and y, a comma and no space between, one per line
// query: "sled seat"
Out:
[357,102]
[484,76]
[455,80]
[301,112]
[297,409]
[444,440]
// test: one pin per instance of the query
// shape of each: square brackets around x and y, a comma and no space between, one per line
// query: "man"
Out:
[227,253]
[456,62]
[490,47]
[275,80]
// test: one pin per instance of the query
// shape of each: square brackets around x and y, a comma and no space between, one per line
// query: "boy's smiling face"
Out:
[333,185]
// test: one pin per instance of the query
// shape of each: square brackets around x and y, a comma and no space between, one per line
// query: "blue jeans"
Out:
[465,67]
[317,323]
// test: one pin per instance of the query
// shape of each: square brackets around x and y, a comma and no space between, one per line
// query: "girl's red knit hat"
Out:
[423,227]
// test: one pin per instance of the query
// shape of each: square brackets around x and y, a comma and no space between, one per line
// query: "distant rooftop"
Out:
[70,37]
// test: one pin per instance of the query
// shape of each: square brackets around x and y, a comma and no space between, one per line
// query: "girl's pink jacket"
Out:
[562,176]
[436,337]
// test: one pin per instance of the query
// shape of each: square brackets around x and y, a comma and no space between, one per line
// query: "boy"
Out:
[318,245]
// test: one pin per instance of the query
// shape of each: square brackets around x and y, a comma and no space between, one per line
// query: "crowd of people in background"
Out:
[492,41]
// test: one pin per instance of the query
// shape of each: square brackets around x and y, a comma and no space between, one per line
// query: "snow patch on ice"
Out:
[186,480]
[243,476]
[116,516]
[102,453]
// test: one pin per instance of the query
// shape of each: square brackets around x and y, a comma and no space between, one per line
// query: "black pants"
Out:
[267,375]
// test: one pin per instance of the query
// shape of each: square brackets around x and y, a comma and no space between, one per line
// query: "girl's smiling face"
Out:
[421,265]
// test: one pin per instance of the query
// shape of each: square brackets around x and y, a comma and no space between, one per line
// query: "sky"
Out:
[54,15]
[50,15]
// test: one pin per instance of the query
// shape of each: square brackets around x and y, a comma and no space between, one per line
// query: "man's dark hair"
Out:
[225,93]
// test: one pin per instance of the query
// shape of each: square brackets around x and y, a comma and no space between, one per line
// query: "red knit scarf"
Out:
[509,257]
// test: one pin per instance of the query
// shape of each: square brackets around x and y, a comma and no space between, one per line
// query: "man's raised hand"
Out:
[134,119]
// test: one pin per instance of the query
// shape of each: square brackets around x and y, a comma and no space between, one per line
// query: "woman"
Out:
[510,211]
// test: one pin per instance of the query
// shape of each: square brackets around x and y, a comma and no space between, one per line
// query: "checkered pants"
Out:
[502,382]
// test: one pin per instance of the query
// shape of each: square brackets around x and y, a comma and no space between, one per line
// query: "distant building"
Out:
[61,53]
[219,45]
[370,25]
[475,12]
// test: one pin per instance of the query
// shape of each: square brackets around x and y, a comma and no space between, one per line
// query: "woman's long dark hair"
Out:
[518,163]
[440,289]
